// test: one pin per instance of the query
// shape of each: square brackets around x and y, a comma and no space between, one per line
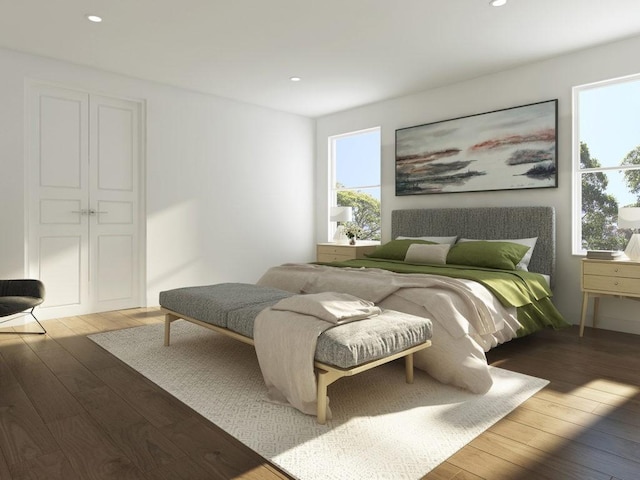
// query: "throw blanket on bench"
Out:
[285,337]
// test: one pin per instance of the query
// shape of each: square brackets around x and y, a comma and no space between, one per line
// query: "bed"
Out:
[473,307]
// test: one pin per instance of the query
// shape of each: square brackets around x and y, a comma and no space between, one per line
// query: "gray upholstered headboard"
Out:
[486,224]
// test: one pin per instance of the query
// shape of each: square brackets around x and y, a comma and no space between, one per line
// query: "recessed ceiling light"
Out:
[295,79]
[94,18]
[497,3]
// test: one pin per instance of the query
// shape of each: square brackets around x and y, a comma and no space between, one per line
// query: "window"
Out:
[606,161]
[354,180]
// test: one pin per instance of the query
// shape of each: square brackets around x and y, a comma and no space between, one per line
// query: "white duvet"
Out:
[467,318]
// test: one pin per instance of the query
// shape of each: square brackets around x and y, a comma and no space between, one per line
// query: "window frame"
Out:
[332,189]
[576,171]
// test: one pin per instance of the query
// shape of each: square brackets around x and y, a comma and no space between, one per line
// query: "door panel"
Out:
[62,147]
[115,270]
[57,172]
[115,213]
[60,212]
[114,196]
[60,270]
[115,151]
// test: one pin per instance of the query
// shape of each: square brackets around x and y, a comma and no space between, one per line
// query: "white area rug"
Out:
[382,427]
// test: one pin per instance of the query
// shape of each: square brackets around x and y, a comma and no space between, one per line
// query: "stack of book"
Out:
[604,254]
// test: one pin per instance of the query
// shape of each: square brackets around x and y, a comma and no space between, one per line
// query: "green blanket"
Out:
[527,291]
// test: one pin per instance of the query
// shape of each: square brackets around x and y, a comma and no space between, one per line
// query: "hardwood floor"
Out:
[69,410]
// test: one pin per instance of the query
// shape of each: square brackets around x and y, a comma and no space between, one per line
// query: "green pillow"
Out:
[502,255]
[395,249]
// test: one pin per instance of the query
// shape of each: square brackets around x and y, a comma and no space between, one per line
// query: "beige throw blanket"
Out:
[331,307]
[285,338]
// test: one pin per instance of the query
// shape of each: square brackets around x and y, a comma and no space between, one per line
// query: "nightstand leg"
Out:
[585,303]
[596,306]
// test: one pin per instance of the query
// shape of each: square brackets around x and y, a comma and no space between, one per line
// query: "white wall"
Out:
[528,84]
[229,190]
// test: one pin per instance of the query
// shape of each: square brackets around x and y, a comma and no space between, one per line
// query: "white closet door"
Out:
[84,225]
[114,197]
[58,179]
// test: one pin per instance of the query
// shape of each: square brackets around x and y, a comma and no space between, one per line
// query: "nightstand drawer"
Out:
[335,250]
[331,252]
[611,285]
[611,269]
[328,257]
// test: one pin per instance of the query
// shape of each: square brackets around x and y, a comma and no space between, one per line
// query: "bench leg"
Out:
[324,379]
[408,367]
[322,397]
[168,318]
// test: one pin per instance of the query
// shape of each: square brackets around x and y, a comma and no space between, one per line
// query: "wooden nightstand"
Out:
[336,252]
[620,278]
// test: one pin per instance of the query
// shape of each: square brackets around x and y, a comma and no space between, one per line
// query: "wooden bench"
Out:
[229,309]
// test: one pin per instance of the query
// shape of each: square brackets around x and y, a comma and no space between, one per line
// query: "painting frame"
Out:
[507,149]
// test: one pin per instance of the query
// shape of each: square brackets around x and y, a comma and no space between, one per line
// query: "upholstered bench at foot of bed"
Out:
[341,351]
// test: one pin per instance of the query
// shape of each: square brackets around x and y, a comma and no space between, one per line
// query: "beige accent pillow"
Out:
[427,254]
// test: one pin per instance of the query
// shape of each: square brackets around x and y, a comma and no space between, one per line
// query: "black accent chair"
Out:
[17,296]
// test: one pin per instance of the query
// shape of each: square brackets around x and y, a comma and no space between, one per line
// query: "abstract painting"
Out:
[513,148]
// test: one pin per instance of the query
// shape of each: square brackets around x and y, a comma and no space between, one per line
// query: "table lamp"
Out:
[629,217]
[341,215]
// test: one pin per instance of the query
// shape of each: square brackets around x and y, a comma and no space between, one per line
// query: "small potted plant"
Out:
[352,230]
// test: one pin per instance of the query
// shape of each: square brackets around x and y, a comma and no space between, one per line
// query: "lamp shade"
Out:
[342,214]
[629,217]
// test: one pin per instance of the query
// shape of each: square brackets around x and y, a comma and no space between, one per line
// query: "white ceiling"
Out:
[348,52]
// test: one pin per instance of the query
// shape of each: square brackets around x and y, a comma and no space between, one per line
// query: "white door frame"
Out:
[31,88]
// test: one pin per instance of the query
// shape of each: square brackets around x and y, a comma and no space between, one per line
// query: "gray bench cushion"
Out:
[241,321]
[236,305]
[213,303]
[355,343]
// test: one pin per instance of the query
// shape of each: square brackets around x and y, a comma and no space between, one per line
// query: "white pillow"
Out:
[527,242]
[427,254]
[448,240]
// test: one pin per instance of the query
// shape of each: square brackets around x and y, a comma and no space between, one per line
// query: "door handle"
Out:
[89,211]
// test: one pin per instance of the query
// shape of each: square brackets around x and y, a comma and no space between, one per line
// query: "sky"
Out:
[358,161]
[610,126]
